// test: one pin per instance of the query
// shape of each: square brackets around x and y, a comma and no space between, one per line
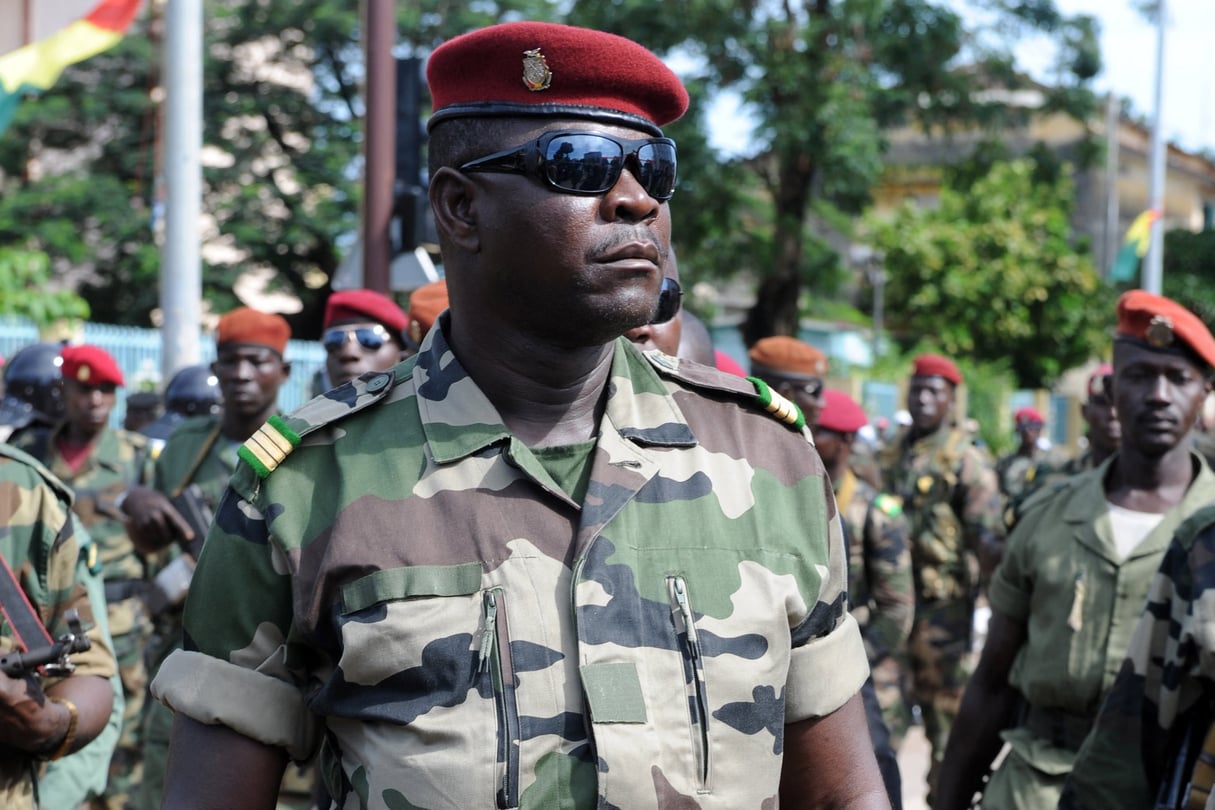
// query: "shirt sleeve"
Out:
[238,616]
[1011,588]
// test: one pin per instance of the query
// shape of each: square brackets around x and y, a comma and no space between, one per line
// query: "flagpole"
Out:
[1153,269]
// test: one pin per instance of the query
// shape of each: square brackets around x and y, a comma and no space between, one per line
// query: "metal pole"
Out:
[379,37]
[878,278]
[1153,269]
[180,267]
[1109,244]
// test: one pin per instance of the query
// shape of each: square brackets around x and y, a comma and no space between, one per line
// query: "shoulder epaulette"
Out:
[274,441]
[61,489]
[782,408]
[1198,522]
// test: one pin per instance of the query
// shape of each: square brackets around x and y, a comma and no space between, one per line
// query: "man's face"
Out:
[1157,396]
[1104,430]
[249,377]
[929,401]
[576,270]
[88,406]
[832,447]
[352,349]
[1030,433]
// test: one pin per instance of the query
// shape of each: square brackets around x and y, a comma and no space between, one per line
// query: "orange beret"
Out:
[788,355]
[934,365]
[555,71]
[841,413]
[425,305]
[1028,416]
[248,325]
[90,365]
[1163,325]
[1096,381]
[364,305]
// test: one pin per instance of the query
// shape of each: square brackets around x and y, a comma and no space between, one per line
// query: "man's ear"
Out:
[453,198]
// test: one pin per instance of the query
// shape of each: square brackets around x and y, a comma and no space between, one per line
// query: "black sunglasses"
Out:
[370,338]
[587,162]
[812,389]
[670,298]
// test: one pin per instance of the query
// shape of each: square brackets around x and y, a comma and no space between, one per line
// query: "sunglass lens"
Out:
[332,341]
[657,161]
[369,339]
[669,299]
[584,163]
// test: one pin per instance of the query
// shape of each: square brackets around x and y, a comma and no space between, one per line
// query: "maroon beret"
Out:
[1164,325]
[841,413]
[90,365]
[364,305]
[934,365]
[247,325]
[556,71]
[1096,381]
[1028,416]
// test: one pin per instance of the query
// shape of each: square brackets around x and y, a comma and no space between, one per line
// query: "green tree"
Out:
[993,275]
[1189,271]
[25,280]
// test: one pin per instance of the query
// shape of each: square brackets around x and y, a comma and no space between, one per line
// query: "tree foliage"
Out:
[1189,271]
[25,277]
[993,275]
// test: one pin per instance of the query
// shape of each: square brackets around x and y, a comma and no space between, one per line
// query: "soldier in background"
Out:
[45,718]
[794,369]
[363,331]
[1015,471]
[952,501]
[193,391]
[142,409]
[33,389]
[195,465]
[1077,568]
[100,464]
[880,588]
[426,303]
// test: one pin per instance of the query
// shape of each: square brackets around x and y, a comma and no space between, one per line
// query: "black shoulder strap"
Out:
[18,611]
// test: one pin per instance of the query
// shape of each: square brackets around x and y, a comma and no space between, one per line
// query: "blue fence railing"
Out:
[138,352]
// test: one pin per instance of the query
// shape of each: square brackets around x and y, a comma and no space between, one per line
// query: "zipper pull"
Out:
[489,634]
[685,610]
[1075,619]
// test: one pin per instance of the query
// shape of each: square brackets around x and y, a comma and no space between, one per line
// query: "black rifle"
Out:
[53,658]
[193,507]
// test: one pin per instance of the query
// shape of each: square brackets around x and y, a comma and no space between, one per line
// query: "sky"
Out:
[1128,49]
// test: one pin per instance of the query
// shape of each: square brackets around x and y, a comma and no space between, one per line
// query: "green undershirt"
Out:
[569,465]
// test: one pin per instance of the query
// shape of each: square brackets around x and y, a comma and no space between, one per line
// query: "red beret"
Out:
[247,325]
[1096,381]
[1028,416]
[556,71]
[788,355]
[364,305]
[841,413]
[91,365]
[426,303]
[934,365]
[1163,325]
[728,364]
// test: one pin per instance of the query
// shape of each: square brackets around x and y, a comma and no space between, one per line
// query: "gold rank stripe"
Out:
[777,405]
[266,449]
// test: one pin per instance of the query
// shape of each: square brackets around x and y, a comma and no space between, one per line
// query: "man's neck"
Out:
[1150,484]
[238,427]
[546,395]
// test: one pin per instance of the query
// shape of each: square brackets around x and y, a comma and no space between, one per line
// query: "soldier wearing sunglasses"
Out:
[532,567]
[363,331]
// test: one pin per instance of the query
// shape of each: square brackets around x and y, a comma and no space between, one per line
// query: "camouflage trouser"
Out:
[131,629]
[938,657]
[890,688]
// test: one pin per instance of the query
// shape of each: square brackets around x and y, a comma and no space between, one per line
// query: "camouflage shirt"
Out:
[412,585]
[117,459]
[41,547]
[880,588]
[950,496]
[1166,680]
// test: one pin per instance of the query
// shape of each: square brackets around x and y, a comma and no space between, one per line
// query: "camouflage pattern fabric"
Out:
[1015,474]
[1164,681]
[950,497]
[1063,576]
[881,592]
[40,546]
[117,460]
[1045,477]
[412,587]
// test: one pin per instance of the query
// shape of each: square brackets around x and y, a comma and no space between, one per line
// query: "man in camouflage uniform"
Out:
[45,718]
[196,463]
[1015,471]
[1077,567]
[952,501]
[531,567]
[100,464]
[880,588]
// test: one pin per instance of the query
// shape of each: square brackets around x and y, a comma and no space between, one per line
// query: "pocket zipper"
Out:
[494,660]
[699,707]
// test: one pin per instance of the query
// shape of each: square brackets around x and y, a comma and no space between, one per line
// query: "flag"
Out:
[37,66]
[1134,247]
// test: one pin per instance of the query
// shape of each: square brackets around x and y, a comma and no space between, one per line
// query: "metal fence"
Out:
[138,352]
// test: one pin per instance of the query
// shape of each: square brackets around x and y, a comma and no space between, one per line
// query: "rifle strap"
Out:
[28,629]
[207,444]
[1202,779]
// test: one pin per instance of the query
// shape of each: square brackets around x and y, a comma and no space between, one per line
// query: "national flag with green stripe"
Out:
[36,66]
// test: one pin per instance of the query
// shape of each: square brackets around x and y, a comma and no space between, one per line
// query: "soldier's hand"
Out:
[28,720]
[153,522]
